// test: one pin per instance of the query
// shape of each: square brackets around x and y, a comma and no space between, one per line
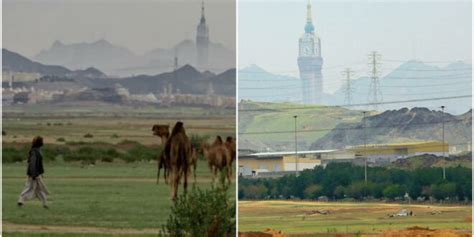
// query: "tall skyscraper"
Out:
[310,62]
[202,42]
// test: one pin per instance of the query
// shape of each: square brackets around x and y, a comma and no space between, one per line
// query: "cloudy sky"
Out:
[430,31]
[140,25]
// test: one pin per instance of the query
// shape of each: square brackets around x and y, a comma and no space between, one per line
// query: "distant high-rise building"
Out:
[310,62]
[202,42]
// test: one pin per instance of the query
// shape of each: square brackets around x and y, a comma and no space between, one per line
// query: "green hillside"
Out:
[313,123]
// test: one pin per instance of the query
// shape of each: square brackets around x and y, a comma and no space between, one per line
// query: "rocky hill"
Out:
[186,79]
[401,125]
[428,161]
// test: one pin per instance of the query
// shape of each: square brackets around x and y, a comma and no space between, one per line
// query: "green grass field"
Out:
[105,199]
[109,126]
[296,217]
[108,195]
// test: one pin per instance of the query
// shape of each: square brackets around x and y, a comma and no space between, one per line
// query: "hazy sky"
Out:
[140,25]
[349,30]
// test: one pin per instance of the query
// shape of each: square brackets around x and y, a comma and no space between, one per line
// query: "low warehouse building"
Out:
[387,153]
[285,162]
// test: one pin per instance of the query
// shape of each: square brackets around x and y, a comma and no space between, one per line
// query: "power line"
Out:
[356,105]
[279,73]
[443,146]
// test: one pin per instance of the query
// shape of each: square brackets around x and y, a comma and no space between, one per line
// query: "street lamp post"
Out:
[296,146]
[444,154]
[365,149]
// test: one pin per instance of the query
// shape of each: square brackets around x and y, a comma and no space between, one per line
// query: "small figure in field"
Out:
[34,185]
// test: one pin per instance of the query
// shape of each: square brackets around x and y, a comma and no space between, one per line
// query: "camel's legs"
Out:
[194,171]
[186,180]
[229,173]
[175,174]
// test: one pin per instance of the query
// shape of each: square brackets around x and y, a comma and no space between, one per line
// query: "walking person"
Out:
[34,185]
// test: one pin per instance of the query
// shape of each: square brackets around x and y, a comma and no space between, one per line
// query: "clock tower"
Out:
[202,42]
[310,62]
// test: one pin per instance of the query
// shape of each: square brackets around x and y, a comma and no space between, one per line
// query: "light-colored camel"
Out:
[163,132]
[218,157]
[179,150]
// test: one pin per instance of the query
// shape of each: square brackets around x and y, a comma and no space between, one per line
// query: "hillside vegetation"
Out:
[265,126]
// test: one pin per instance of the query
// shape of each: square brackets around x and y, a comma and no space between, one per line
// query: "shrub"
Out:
[60,139]
[107,159]
[50,153]
[208,212]
[197,140]
[86,155]
[114,136]
[88,135]
[10,155]
[141,153]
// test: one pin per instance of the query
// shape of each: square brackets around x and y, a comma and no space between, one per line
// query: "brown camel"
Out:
[163,132]
[193,161]
[179,151]
[218,157]
[230,144]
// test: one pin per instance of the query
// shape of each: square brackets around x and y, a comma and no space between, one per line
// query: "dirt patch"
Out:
[10,227]
[423,232]
[266,233]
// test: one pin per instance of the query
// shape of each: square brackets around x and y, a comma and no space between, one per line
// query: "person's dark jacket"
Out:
[35,163]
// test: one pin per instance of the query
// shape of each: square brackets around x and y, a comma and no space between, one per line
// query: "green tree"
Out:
[443,190]
[393,191]
[358,190]
[339,191]
[313,191]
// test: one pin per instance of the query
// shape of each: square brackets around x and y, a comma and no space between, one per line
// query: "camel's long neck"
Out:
[164,139]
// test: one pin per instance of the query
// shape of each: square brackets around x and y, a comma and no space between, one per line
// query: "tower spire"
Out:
[309,28]
[308,12]
[203,18]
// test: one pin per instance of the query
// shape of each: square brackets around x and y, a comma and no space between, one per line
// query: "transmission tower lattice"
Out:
[375,94]
[348,90]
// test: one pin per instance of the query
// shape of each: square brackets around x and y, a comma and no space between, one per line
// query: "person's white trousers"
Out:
[34,188]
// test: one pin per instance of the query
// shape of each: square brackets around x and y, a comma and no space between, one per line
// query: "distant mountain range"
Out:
[413,80]
[399,126]
[119,61]
[14,62]
[186,80]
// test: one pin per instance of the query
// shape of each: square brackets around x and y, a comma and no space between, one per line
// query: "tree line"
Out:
[346,181]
